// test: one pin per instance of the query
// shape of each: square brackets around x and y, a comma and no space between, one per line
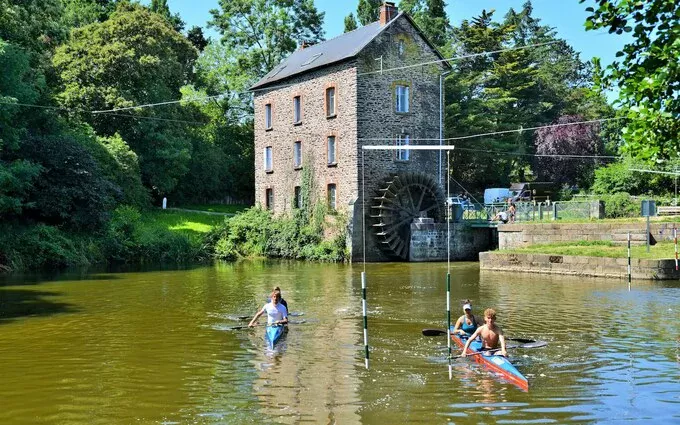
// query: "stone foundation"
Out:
[579,265]
[429,241]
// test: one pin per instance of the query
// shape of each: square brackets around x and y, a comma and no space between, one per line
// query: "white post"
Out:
[165,203]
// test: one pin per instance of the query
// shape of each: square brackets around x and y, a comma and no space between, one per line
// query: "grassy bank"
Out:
[662,250]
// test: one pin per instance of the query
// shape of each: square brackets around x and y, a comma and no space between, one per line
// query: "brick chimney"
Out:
[387,12]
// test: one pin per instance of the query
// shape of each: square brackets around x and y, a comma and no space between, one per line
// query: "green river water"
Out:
[156,347]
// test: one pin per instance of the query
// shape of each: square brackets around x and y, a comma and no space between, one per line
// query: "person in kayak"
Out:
[285,304]
[466,324]
[277,314]
[490,333]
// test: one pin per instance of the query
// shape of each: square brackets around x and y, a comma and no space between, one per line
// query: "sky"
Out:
[566,16]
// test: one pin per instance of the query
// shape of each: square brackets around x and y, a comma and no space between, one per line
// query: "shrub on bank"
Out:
[620,204]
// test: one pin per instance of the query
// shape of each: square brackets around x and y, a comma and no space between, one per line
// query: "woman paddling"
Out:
[467,324]
[276,312]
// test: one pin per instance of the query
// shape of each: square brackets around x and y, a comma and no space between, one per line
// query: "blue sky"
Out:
[566,16]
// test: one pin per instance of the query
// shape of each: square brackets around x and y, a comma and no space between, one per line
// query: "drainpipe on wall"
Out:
[441,120]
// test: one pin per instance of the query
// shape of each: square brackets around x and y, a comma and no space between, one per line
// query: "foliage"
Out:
[509,91]
[16,180]
[71,190]
[78,13]
[350,23]
[197,39]
[37,247]
[578,139]
[32,24]
[620,177]
[261,33]
[620,204]
[133,58]
[161,7]
[244,235]
[430,16]
[368,11]
[647,75]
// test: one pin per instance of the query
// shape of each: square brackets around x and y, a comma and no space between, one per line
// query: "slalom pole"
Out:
[675,241]
[363,305]
[629,269]
[448,261]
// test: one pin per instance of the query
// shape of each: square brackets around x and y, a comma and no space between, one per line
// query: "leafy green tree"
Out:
[71,190]
[197,39]
[161,7]
[78,13]
[350,23]
[32,24]
[647,75]
[368,11]
[133,58]
[435,23]
[261,33]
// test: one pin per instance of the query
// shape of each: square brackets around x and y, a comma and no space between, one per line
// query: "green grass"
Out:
[192,224]
[229,209]
[662,250]
[621,220]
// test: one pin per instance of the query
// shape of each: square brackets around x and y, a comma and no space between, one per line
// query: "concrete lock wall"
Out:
[579,265]
[521,235]
[429,241]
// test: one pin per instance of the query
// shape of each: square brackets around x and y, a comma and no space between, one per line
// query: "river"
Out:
[157,347]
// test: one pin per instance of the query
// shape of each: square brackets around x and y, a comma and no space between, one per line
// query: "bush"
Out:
[38,247]
[619,177]
[620,205]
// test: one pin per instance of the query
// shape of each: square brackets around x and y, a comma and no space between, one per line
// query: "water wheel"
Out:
[400,199]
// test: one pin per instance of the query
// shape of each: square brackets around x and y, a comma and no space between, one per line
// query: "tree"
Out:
[350,23]
[435,23]
[368,11]
[648,74]
[78,13]
[32,24]
[161,7]
[577,139]
[197,39]
[261,33]
[134,58]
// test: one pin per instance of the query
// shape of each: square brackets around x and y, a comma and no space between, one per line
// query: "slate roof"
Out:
[331,51]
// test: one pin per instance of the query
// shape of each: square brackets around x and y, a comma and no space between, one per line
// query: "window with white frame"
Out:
[297,154]
[268,160]
[402,93]
[403,140]
[297,110]
[268,116]
[330,102]
[331,196]
[269,199]
[332,159]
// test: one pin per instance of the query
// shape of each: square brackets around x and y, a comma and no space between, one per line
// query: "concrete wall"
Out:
[429,241]
[521,235]
[579,266]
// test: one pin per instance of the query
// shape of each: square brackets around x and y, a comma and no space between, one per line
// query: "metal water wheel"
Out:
[400,199]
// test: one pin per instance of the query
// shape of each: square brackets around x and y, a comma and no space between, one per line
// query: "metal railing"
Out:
[527,211]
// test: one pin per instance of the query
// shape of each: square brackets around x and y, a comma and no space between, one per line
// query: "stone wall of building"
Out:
[579,266]
[520,235]
[312,132]
[380,124]
[429,241]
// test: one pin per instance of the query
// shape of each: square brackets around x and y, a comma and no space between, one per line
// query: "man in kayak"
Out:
[466,324]
[276,312]
[285,304]
[491,335]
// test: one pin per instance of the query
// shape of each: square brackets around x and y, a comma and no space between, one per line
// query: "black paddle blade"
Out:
[434,332]
[522,340]
[535,344]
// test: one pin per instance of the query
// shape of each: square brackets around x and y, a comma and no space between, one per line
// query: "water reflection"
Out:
[159,347]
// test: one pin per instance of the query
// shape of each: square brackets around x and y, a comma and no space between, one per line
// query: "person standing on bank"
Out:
[277,314]
[491,334]
[466,324]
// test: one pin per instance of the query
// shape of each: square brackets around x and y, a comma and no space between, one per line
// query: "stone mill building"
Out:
[316,110]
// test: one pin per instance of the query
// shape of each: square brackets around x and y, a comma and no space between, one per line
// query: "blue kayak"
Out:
[273,333]
[496,363]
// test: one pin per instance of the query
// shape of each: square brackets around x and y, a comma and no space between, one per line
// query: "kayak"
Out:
[273,333]
[495,363]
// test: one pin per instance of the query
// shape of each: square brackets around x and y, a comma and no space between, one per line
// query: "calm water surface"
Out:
[157,348]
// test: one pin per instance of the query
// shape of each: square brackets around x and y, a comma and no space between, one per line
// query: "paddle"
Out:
[535,344]
[438,332]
